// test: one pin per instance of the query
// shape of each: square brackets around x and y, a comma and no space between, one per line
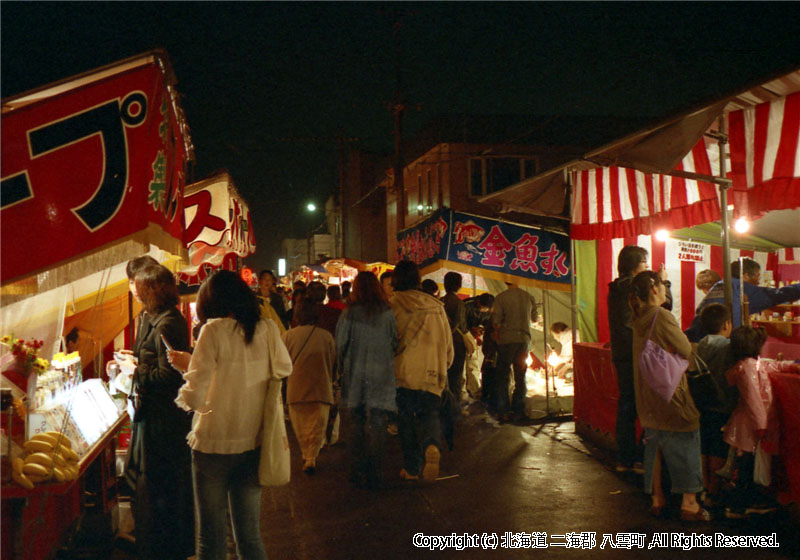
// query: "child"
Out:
[715,408]
[754,421]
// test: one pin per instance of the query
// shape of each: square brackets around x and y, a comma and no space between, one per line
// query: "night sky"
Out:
[254,74]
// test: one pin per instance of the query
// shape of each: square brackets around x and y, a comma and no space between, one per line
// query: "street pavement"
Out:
[506,491]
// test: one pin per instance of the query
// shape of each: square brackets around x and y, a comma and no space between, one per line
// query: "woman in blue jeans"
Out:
[226,384]
[366,339]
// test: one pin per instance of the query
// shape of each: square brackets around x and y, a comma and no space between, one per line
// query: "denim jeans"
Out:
[367,439]
[221,481]
[418,425]
[511,356]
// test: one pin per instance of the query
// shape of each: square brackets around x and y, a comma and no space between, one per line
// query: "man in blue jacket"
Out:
[759,297]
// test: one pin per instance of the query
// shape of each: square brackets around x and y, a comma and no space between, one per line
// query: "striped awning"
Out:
[765,155]
[613,202]
[664,176]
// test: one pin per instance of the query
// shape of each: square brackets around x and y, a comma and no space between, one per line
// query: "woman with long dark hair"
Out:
[226,385]
[159,462]
[366,339]
[671,429]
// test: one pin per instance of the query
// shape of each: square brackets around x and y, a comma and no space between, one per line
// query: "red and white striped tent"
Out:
[668,177]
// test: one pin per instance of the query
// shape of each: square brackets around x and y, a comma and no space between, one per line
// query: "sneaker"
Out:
[310,466]
[431,468]
[404,475]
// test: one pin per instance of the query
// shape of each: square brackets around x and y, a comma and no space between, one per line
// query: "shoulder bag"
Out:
[661,370]
[274,465]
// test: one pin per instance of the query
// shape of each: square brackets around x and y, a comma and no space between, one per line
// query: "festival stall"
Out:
[672,177]
[219,231]
[93,169]
[489,252]
[343,269]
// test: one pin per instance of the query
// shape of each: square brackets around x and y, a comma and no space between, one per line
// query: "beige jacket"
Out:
[680,414]
[425,348]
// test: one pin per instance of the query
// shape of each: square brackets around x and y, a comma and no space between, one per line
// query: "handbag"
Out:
[661,370]
[274,466]
[703,386]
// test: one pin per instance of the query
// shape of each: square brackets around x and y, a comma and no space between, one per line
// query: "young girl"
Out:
[755,418]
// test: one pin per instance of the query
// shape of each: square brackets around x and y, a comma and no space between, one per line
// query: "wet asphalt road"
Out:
[500,481]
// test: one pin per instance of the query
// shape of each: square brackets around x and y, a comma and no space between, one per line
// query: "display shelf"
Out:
[11,490]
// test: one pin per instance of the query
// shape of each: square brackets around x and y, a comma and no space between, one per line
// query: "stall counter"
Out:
[35,522]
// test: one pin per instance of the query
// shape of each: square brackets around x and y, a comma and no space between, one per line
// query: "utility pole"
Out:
[398,108]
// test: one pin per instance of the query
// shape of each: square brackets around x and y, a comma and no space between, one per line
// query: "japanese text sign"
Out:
[489,244]
[89,162]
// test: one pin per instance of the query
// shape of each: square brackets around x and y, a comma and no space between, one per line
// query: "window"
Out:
[492,174]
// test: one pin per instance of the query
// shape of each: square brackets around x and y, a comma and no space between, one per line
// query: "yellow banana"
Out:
[61,438]
[59,475]
[35,469]
[59,459]
[37,445]
[71,472]
[36,479]
[17,465]
[45,437]
[68,454]
[22,480]
[44,459]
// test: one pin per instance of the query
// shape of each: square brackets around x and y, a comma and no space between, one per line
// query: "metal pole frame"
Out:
[722,140]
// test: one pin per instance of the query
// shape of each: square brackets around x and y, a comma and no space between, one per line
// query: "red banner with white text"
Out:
[88,163]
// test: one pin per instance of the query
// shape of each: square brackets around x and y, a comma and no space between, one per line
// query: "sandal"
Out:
[701,514]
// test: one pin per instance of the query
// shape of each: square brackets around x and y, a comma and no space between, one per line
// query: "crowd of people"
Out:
[718,418]
[388,350]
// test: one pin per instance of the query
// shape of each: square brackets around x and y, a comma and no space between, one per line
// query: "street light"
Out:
[311,207]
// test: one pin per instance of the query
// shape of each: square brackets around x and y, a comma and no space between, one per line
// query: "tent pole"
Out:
[573,295]
[546,363]
[722,140]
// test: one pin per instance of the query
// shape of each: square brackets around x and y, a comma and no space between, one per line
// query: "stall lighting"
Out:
[553,359]
[742,225]
[420,207]
[662,235]
[281,267]
[311,207]
[529,361]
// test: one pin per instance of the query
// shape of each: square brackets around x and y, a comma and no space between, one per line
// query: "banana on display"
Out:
[49,457]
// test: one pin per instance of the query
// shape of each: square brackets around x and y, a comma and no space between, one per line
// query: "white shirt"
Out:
[226,384]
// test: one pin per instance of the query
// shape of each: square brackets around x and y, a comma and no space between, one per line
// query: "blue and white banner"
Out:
[492,245]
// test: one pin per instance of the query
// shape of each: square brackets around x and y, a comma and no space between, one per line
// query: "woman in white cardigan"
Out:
[226,384]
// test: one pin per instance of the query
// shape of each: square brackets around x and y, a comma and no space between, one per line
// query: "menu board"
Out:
[84,414]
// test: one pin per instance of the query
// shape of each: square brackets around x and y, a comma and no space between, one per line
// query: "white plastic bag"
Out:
[761,470]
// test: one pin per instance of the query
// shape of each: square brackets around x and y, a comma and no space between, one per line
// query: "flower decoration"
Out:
[26,353]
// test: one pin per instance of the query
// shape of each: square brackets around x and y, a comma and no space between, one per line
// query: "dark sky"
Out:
[254,73]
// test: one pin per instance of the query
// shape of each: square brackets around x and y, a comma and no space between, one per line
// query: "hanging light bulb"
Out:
[742,225]
[662,235]
[529,361]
